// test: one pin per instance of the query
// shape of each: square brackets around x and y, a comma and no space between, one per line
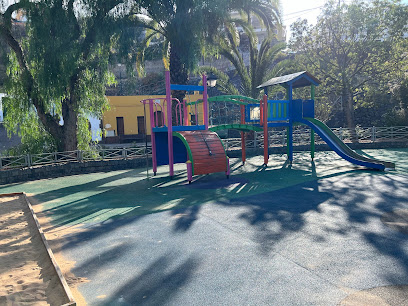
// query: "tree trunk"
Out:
[178,75]
[349,113]
[69,141]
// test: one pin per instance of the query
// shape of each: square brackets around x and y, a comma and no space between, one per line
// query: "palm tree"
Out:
[186,24]
[264,63]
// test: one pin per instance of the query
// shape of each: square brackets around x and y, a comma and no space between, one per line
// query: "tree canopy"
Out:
[352,46]
[58,72]
[186,25]
[264,63]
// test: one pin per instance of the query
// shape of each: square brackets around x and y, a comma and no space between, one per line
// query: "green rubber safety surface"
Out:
[98,197]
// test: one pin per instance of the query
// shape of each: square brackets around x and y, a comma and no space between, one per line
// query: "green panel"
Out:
[233,97]
[240,127]
[285,110]
[195,102]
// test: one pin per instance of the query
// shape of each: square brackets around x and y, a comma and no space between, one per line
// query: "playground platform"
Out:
[322,233]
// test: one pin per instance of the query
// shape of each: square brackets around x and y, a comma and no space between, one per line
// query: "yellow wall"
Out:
[130,107]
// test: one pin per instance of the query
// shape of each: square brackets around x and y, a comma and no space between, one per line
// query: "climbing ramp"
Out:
[205,151]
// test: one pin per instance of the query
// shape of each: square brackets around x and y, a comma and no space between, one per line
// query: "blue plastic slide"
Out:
[342,149]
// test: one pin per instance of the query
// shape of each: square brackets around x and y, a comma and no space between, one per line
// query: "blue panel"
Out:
[296,110]
[248,108]
[278,110]
[247,113]
[180,128]
[308,108]
[179,151]
[277,124]
[189,128]
[162,150]
[187,87]
[160,129]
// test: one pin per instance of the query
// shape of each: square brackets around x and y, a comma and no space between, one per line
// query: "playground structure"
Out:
[181,130]
[193,144]
[291,112]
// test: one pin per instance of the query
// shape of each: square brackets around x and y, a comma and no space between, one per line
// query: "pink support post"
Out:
[169,125]
[205,102]
[189,171]
[154,158]
[185,113]
[228,172]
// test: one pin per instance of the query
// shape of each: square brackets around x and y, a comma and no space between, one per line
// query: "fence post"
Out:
[28,160]
[124,153]
[373,134]
[55,157]
[1,163]
[79,155]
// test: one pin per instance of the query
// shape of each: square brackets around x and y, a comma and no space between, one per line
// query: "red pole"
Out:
[243,135]
[265,129]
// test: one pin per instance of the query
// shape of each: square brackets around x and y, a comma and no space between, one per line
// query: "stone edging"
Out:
[72,168]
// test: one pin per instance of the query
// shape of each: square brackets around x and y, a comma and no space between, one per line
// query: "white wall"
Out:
[95,128]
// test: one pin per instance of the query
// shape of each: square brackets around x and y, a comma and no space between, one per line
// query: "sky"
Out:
[304,9]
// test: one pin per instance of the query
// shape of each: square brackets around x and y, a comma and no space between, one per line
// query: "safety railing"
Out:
[32,160]
[277,137]
[301,136]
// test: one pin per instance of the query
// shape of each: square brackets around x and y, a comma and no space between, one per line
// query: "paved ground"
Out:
[307,235]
